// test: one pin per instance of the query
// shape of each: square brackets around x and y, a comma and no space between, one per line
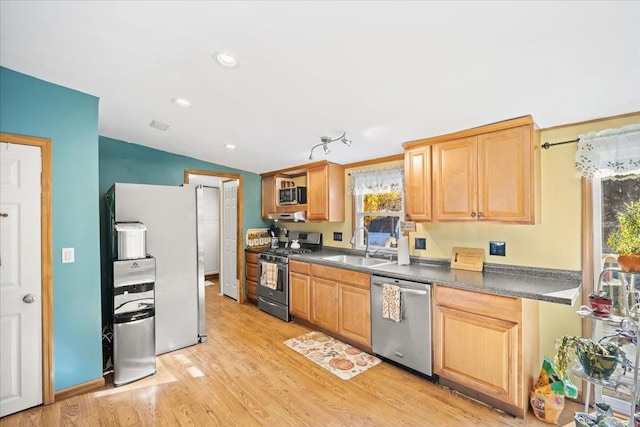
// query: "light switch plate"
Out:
[337,236]
[68,255]
[420,243]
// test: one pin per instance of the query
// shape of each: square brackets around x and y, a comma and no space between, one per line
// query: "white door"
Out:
[229,232]
[211,224]
[20,278]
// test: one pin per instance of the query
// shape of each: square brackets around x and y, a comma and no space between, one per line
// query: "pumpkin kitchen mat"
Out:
[340,359]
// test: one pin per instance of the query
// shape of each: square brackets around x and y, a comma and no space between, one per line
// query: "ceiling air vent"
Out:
[158,125]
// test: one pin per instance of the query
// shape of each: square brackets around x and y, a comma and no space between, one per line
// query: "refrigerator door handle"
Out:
[202,329]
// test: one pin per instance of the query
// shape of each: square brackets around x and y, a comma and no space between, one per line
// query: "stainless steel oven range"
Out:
[273,273]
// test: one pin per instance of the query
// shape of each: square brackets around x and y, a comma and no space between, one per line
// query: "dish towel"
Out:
[391,302]
[269,276]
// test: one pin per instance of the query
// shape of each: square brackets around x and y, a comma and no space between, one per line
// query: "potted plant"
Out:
[625,239]
[598,359]
[601,303]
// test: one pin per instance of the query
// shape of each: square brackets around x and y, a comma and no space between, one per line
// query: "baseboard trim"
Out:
[79,389]
[487,400]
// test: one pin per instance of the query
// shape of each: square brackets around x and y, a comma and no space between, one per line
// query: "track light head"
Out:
[325,141]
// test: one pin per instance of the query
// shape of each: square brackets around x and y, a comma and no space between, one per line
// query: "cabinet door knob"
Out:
[480,214]
[473,214]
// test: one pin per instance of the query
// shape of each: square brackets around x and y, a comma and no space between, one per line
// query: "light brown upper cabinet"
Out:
[485,177]
[268,195]
[325,193]
[417,184]
[489,173]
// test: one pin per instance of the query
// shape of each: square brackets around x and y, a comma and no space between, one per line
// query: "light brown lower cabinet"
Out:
[251,275]
[487,346]
[334,299]
[324,303]
[299,290]
[354,316]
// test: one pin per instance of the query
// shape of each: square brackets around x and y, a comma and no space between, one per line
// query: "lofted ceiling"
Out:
[384,72]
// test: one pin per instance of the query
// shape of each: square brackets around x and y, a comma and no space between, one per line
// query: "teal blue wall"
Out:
[84,168]
[29,106]
[124,162]
[131,163]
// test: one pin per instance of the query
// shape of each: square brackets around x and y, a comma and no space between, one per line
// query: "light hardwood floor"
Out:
[244,376]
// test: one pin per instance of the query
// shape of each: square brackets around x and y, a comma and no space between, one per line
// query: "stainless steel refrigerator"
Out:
[172,215]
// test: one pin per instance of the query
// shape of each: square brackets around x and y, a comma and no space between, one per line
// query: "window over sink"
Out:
[378,205]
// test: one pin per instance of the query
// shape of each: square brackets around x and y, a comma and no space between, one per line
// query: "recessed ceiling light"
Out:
[182,102]
[158,125]
[226,60]
[229,146]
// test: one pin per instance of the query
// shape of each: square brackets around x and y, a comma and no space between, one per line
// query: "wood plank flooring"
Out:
[245,376]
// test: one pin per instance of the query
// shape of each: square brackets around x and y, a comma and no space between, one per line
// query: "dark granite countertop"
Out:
[557,286]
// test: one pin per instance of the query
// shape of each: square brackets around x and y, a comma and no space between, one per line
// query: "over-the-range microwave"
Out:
[292,196]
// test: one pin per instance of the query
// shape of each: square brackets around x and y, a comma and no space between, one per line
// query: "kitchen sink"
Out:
[357,260]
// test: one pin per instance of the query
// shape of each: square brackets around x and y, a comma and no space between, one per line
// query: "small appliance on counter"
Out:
[131,240]
[275,236]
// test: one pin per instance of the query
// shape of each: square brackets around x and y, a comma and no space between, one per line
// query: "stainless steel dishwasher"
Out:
[407,342]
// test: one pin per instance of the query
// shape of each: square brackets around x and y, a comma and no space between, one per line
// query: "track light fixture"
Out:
[326,140]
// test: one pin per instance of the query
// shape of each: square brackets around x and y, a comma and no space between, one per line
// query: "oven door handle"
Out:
[268,302]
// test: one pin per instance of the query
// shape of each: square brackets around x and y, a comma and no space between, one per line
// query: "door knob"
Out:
[29,298]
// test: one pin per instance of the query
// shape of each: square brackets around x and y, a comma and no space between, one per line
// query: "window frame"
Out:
[358,220]
[592,266]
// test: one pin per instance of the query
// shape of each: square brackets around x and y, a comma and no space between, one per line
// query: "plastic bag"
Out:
[547,396]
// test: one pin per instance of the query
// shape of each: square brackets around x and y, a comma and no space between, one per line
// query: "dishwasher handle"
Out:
[405,290]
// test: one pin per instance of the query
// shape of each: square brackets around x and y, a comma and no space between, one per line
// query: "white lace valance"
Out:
[609,152]
[376,181]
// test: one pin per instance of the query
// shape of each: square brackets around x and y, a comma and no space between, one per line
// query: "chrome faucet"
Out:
[366,237]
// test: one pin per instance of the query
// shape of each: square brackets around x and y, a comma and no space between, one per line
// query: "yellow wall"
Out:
[554,242]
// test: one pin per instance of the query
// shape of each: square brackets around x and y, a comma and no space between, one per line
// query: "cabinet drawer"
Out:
[495,306]
[251,257]
[252,272]
[361,280]
[252,289]
[299,267]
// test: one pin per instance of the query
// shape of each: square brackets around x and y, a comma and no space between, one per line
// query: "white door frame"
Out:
[240,240]
[46,260]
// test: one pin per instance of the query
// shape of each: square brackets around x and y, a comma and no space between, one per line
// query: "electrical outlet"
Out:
[498,248]
[337,236]
[420,243]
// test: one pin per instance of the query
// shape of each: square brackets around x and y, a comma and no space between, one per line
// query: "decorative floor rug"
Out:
[339,358]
